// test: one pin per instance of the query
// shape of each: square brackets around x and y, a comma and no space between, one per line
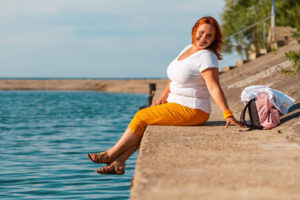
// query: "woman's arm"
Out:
[211,77]
[164,95]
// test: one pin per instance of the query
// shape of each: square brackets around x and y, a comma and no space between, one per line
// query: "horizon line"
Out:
[96,78]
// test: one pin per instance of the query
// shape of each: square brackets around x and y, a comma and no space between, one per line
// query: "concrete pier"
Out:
[211,162]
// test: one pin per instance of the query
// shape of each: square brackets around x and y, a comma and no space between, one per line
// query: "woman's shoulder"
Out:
[207,58]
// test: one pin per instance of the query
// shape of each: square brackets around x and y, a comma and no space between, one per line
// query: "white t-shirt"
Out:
[188,87]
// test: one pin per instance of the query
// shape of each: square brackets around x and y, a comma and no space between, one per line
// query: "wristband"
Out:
[227,113]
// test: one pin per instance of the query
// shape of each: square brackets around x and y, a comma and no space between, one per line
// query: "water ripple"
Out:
[44,139]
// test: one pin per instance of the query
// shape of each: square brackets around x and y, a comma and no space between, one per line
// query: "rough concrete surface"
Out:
[212,162]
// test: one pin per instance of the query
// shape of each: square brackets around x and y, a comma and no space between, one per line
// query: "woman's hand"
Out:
[232,120]
[161,100]
[164,96]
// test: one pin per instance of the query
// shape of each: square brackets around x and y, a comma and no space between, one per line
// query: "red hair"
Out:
[217,44]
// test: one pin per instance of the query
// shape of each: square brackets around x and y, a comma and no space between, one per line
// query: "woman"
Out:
[185,101]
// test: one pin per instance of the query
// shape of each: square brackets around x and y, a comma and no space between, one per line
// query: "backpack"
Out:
[262,113]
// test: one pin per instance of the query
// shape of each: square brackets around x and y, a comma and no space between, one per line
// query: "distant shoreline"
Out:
[106,85]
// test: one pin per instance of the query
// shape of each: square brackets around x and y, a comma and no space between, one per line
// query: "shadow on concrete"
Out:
[295,107]
[215,123]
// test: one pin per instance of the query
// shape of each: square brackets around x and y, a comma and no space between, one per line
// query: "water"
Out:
[45,136]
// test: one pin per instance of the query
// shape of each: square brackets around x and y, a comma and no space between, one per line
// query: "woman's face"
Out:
[205,35]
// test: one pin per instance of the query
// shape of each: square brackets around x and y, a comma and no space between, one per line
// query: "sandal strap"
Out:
[119,165]
[100,157]
[113,168]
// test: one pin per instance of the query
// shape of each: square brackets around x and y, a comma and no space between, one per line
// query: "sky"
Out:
[96,38]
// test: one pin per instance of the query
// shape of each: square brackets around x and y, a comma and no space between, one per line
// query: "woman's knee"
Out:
[141,116]
[142,112]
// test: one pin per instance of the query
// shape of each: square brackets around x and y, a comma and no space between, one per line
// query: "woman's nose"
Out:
[204,36]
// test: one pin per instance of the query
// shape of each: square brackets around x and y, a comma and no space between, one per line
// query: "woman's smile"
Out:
[202,43]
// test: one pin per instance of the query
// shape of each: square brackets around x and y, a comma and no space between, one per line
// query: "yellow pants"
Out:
[171,114]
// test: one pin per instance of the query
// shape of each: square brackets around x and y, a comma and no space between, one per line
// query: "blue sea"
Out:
[45,136]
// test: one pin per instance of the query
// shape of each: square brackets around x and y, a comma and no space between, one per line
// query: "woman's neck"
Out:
[195,48]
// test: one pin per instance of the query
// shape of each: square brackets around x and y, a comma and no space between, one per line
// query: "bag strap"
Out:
[242,117]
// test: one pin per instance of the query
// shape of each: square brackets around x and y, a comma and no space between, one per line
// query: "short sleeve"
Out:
[207,60]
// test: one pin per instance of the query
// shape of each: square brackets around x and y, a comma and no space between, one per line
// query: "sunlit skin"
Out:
[205,35]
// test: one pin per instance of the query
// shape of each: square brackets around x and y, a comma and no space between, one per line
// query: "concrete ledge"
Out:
[227,68]
[252,56]
[263,74]
[239,63]
[211,162]
[263,51]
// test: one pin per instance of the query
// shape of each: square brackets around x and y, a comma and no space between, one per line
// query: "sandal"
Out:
[100,157]
[117,168]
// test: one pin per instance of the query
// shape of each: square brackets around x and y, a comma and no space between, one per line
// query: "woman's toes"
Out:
[122,167]
[105,169]
[90,156]
[100,170]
